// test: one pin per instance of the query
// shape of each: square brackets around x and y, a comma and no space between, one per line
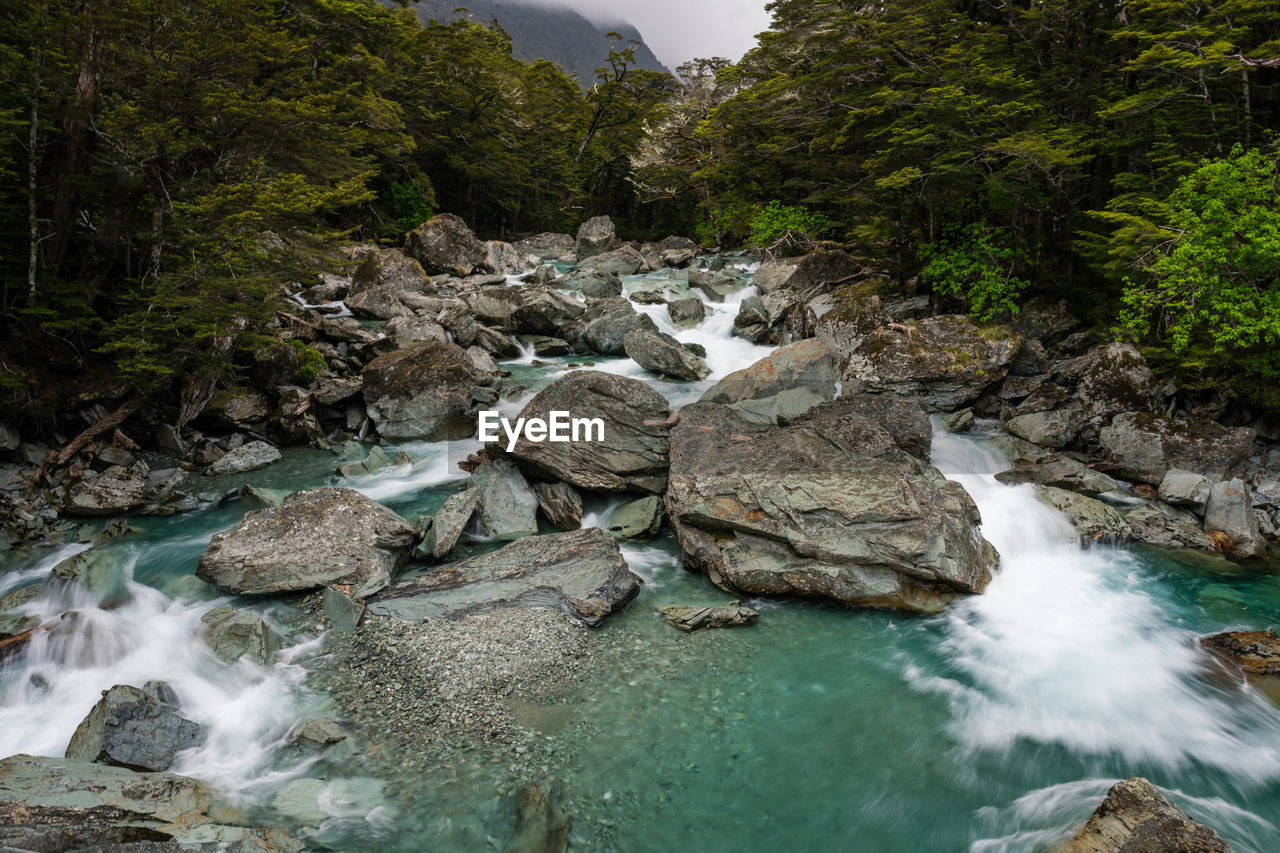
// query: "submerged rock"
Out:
[232,634]
[535,820]
[831,507]
[632,457]
[314,538]
[133,729]
[1136,818]
[696,618]
[581,572]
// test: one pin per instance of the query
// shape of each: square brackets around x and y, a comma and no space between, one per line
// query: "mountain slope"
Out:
[539,32]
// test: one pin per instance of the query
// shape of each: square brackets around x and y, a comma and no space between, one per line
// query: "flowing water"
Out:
[995,726]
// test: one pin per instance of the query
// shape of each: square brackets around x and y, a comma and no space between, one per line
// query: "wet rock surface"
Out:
[1135,818]
[130,728]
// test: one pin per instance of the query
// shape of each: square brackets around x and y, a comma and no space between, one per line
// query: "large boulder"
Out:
[632,457]
[382,278]
[1056,428]
[806,364]
[603,327]
[64,804]
[581,572]
[236,409]
[1110,379]
[546,246]
[560,503]
[422,391]
[947,361]
[1062,472]
[592,283]
[131,728]
[831,507]
[543,311]
[502,258]
[1147,446]
[623,260]
[1136,818]
[116,491]
[763,319]
[842,318]
[314,538]
[687,313]
[596,236]
[1153,524]
[662,354]
[1185,488]
[508,507]
[808,274]
[445,245]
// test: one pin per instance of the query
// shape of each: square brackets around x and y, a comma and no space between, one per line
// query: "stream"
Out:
[998,725]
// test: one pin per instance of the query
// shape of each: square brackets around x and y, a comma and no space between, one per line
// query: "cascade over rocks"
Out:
[314,538]
[664,355]
[581,572]
[633,455]
[830,507]
[445,245]
[422,391]
[603,327]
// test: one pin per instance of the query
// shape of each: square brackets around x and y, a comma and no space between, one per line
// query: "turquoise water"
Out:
[996,726]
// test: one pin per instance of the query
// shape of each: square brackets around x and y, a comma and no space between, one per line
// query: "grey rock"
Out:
[232,634]
[1164,526]
[61,804]
[560,504]
[638,519]
[947,361]
[687,313]
[830,507]
[1229,513]
[1147,446]
[596,236]
[343,611]
[375,460]
[422,391]
[1093,520]
[763,319]
[390,270]
[1110,379]
[1061,472]
[781,408]
[545,345]
[508,507]
[662,354]
[321,732]
[245,458]
[716,285]
[806,364]
[623,260]
[100,571]
[315,538]
[404,331]
[603,327]
[690,619]
[502,258]
[547,245]
[1048,429]
[130,728]
[444,244]
[1185,488]
[580,572]
[1135,817]
[495,343]
[10,439]
[113,455]
[543,311]
[483,367]
[117,491]
[961,421]
[547,274]
[451,520]
[774,274]
[633,455]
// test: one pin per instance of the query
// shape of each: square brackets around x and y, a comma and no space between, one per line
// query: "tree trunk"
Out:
[33,140]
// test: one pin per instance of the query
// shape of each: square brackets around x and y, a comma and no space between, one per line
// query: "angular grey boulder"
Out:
[1062,472]
[1135,818]
[314,538]
[1229,514]
[662,354]
[1147,446]
[687,313]
[596,236]
[581,573]
[508,507]
[444,244]
[830,507]
[603,327]
[638,519]
[422,391]
[632,457]
[806,364]
[450,521]
[560,504]
[133,729]
[1185,488]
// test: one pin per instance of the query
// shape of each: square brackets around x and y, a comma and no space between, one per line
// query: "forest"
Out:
[167,167]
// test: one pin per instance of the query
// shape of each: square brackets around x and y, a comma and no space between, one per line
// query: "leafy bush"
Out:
[408,205]
[976,262]
[787,223]
[311,364]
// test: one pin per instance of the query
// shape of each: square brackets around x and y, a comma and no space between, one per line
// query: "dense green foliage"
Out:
[168,167]
[990,144]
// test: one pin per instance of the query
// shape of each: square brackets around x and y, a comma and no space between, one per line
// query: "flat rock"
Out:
[314,538]
[1062,472]
[245,458]
[133,729]
[581,572]
[451,520]
[633,455]
[1136,818]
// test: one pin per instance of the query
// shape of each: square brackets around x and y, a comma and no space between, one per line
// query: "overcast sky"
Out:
[683,29]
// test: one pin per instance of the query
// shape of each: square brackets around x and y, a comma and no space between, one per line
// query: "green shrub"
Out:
[311,365]
[975,262]
[791,224]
